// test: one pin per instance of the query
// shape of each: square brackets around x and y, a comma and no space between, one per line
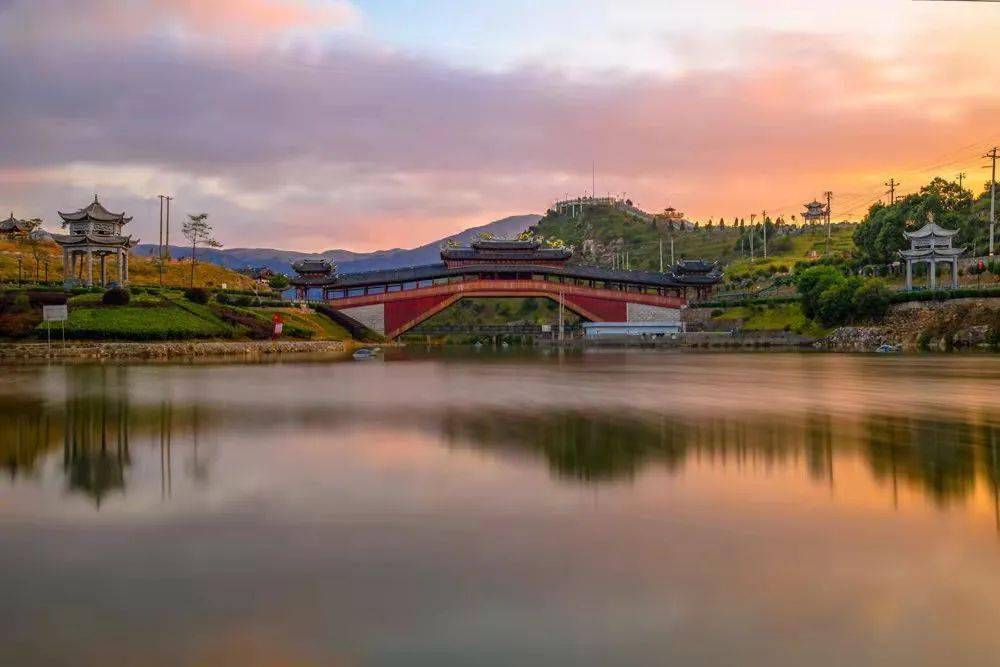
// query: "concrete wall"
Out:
[637,312]
[372,316]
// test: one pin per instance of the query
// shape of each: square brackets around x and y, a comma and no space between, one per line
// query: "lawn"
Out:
[165,321]
[322,327]
[783,317]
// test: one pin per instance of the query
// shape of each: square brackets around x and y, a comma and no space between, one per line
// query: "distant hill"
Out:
[346,261]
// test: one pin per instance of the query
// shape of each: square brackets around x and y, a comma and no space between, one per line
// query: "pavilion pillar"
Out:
[121,267]
[933,270]
[909,274]
[954,273]
[90,268]
[125,256]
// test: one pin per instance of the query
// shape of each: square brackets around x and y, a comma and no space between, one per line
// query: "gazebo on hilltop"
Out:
[94,230]
[815,212]
[12,228]
[931,244]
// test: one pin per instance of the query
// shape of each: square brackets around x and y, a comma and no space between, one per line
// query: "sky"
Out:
[370,124]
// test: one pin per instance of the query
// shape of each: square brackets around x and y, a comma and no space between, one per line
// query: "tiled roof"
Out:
[96,212]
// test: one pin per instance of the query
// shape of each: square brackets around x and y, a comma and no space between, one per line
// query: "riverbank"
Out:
[13,352]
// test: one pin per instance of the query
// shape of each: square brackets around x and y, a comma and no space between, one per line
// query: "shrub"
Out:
[20,304]
[717,311]
[924,339]
[812,283]
[278,282]
[116,296]
[871,299]
[196,295]
[836,303]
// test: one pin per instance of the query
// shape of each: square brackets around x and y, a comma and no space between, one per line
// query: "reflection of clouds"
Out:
[424,528]
[207,435]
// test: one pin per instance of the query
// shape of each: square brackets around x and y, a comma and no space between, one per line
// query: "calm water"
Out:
[611,508]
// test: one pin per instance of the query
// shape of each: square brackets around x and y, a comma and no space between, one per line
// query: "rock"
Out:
[163,350]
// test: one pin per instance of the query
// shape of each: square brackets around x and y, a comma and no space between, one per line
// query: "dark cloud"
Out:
[384,139]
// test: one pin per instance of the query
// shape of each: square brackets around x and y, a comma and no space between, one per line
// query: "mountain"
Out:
[346,260]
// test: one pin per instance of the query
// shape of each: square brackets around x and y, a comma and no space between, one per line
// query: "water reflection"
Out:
[96,423]
[668,509]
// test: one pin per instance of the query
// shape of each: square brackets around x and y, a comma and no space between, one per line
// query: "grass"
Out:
[783,317]
[323,327]
[142,269]
[801,247]
[168,321]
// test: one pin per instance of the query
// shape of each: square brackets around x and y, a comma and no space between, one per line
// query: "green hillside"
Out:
[603,236]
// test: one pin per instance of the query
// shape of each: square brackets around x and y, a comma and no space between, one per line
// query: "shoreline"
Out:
[102,350]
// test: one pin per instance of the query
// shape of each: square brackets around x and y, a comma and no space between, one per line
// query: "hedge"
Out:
[946,294]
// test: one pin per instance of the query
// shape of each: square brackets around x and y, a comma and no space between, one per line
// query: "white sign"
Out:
[55,313]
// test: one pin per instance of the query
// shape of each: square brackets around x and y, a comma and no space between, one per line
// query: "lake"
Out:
[498,508]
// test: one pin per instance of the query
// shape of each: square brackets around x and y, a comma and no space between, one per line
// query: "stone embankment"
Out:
[943,325]
[164,350]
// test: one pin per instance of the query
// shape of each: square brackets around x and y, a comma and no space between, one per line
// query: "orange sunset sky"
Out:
[314,124]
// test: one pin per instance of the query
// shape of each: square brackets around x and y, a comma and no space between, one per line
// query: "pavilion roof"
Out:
[932,252]
[930,229]
[506,244]
[12,224]
[96,212]
[316,266]
[694,266]
[502,254]
[107,240]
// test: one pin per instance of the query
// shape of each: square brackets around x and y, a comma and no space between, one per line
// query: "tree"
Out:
[812,283]
[34,243]
[278,281]
[871,299]
[197,230]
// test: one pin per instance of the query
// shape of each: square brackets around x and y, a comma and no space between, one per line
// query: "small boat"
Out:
[886,348]
[364,353]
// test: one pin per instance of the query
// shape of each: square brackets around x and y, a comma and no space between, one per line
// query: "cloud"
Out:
[361,146]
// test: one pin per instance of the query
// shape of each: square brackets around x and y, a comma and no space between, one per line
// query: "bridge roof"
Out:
[440,270]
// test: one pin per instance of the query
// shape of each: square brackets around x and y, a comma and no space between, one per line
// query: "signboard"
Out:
[55,313]
[278,324]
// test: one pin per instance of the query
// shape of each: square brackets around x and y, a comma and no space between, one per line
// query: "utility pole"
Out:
[661,254]
[159,255]
[593,179]
[829,197]
[961,177]
[672,263]
[993,192]
[167,249]
[752,216]
[763,223]
[892,185]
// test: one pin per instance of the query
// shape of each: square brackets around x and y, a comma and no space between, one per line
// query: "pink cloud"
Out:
[367,150]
